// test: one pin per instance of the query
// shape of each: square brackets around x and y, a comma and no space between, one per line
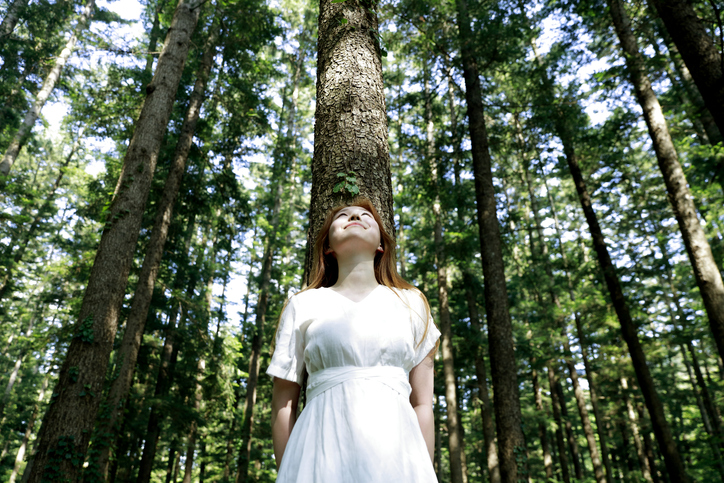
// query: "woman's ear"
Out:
[380,249]
[328,250]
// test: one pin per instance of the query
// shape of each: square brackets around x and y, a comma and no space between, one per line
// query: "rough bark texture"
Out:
[700,54]
[486,412]
[136,323]
[708,277]
[350,133]
[21,136]
[69,420]
[511,441]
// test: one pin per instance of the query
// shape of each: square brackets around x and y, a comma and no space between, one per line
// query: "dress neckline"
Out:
[352,301]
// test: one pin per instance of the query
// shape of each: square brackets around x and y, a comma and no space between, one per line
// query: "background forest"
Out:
[151,232]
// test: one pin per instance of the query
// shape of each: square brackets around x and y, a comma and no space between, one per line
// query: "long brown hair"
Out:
[325,269]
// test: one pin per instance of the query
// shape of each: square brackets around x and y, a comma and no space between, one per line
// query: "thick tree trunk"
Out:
[21,136]
[511,441]
[560,442]
[69,420]
[486,412]
[634,427]
[136,323]
[706,272]
[350,131]
[458,474]
[701,56]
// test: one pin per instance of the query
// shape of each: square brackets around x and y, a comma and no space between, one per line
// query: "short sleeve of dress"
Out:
[287,361]
[430,338]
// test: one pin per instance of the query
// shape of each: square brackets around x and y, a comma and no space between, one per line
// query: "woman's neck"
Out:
[356,276]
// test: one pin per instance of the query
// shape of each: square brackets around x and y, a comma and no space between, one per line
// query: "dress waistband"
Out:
[392,376]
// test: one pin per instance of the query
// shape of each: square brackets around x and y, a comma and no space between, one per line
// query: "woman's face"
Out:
[353,231]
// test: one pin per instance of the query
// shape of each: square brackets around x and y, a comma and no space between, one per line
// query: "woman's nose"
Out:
[354,216]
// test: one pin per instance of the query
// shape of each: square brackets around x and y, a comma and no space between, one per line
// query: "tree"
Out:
[77,392]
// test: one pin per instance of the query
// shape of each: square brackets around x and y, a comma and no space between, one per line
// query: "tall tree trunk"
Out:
[542,430]
[634,427]
[279,178]
[511,441]
[701,56]
[21,136]
[486,412]
[136,323]
[706,272]
[628,327]
[568,355]
[350,131]
[648,446]
[570,432]
[69,420]
[193,430]
[560,442]
[458,474]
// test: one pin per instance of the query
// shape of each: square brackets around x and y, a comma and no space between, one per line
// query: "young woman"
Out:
[366,339]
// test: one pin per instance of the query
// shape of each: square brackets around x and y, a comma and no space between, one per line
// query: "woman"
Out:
[365,337]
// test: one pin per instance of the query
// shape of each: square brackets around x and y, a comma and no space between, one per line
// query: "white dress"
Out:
[358,425]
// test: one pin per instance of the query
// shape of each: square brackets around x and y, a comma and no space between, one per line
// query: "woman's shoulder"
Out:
[306,295]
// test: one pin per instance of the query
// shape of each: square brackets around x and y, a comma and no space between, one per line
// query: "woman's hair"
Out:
[325,269]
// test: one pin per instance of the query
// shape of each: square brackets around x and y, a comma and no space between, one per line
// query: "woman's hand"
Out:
[284,414]
[422,382]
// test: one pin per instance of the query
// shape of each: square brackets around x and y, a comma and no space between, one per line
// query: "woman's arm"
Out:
[284,414]
[422,382]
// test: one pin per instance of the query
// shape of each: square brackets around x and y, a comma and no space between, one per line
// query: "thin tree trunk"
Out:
[648,446]
[486,412]
[28,234]
[511,440]
[12,15]
[570,433]
[555,403]
[701,56]
[136,323]
[69,420]
[21,136]
[279,178]
[350,131]
[458,473]
[28,431]
[634,427]
[706,272]
[542,430]
[193,430]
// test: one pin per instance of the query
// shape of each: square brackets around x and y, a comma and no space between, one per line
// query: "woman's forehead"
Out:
[353,207]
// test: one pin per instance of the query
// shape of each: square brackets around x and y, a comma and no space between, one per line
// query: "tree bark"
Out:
[542,430]
[570,433]
[511,441]
[21,136]
[700,54]
[350,131]
[486,412]
[69,420]
[706,272]
[136,323]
